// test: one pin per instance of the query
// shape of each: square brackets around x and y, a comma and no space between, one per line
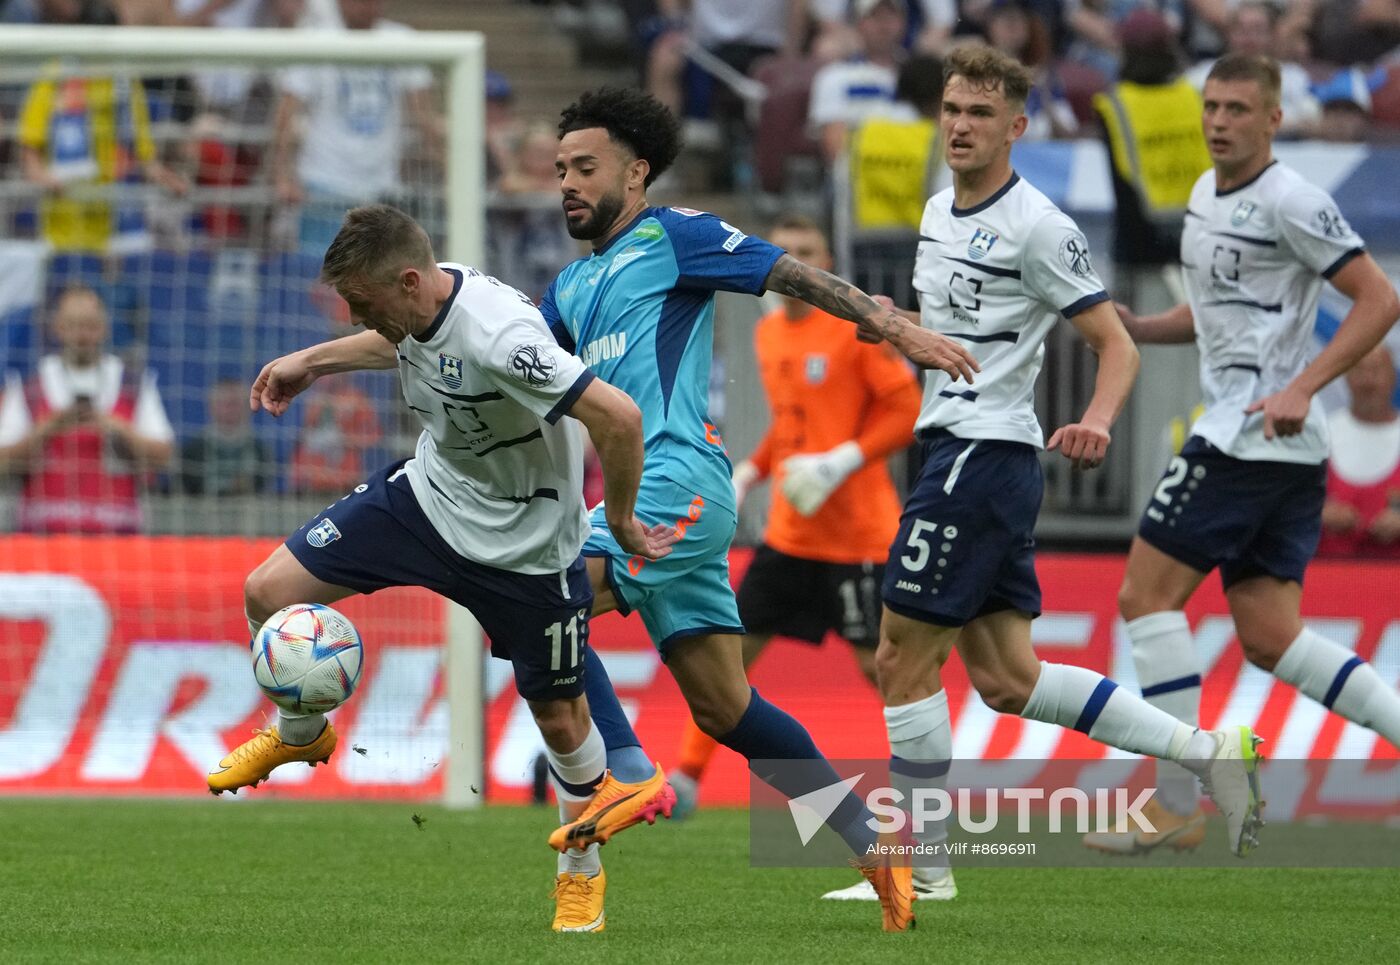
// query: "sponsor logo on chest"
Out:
[611,346]
[815,369]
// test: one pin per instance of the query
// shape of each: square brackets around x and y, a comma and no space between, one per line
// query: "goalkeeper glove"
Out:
[809,480]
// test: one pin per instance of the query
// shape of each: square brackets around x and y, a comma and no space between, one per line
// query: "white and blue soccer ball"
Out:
[307,658]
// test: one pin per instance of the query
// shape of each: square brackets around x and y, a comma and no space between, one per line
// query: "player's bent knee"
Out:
[262,592]
[1001,692]
[561,724]
[1263,648]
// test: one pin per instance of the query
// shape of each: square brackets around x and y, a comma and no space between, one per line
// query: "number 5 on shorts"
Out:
[916,562]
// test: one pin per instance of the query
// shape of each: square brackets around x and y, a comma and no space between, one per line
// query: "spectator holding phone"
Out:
[84,431]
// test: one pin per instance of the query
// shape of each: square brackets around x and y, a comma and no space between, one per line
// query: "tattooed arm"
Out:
[820,289]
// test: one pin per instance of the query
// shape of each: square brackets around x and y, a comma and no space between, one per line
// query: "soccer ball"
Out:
[307,658]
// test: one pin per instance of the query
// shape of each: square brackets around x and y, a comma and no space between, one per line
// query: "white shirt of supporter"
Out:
[1254,259]
[61,385]
[1363,453]
[496,471]
[353,132]
[848,92]
[996,277]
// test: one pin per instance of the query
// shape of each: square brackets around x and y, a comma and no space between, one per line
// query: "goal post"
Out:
[457,60]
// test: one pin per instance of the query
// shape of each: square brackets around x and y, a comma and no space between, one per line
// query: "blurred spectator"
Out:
[86,12]
[737,32]
[225,459]
[340,423]
[1013,28]
[1346,32]
[931,24]
[1095,27]
[1362,514]
[340,132]
[1152,122]
[502,129]
[79,133]
[1254,29]
[530,168]
[1346,104]
[894,159]
[83,431]
[846,93]
[527,242]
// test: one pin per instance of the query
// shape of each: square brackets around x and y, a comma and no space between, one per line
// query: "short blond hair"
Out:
[1264,71]
[987,68]
[374,244]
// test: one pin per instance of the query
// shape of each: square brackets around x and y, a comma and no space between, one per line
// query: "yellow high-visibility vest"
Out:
[891,172]
[1154,135]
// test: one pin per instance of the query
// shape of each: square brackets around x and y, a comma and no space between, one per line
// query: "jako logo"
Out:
[931,805]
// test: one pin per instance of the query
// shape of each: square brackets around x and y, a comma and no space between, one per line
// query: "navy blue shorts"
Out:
[966,541]
[377,536]
[1248,517]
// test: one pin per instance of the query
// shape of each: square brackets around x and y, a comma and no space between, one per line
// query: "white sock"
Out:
[1342,682]
[921,745]
[1170,677]
[1092,704]
[299,729]
[574,775]
[254,627]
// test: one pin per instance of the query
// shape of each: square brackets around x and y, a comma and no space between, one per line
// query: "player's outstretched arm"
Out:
[925,348]
[1175,326]
[283,379]
[1374,310]
[1085,443]
[615,424]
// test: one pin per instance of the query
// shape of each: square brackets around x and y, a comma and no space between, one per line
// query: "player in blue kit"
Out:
[639,311]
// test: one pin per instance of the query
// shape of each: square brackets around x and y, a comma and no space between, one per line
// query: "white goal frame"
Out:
[462,56]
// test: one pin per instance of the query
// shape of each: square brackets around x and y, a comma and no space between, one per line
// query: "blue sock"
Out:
[626,759]
[766,734]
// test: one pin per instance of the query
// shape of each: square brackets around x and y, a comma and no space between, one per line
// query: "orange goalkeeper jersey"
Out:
[824,388]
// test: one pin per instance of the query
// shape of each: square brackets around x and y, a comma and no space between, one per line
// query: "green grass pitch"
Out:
[157,881]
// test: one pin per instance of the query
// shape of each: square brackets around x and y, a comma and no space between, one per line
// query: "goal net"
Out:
[165,200]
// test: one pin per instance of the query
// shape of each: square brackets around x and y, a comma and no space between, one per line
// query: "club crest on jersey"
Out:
[322,533]
[450,368]
[816,369]
[1242,212]
[981,243]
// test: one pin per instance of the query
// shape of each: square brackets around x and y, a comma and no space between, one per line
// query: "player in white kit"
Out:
[1246,492]
[488,511]
[997,265]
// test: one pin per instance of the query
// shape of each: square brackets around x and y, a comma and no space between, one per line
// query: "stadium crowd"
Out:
[206,162]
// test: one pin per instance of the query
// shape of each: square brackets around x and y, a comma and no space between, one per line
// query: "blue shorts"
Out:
[966,541]
[687,593]
[1248,517]
[377,536]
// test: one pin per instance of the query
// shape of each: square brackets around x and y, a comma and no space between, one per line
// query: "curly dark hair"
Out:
[631,117]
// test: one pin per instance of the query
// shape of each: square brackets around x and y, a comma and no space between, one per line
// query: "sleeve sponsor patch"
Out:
[532,364]
[1074,255]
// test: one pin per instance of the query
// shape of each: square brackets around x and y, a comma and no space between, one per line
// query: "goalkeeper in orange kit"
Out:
[839,408]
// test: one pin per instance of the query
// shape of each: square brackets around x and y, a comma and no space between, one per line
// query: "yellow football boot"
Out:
[578,902]
[249,764]
[614,807]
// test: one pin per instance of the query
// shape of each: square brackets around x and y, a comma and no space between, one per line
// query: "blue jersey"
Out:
[640,313]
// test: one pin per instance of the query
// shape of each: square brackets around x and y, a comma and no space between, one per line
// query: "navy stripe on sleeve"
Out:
[562,407]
